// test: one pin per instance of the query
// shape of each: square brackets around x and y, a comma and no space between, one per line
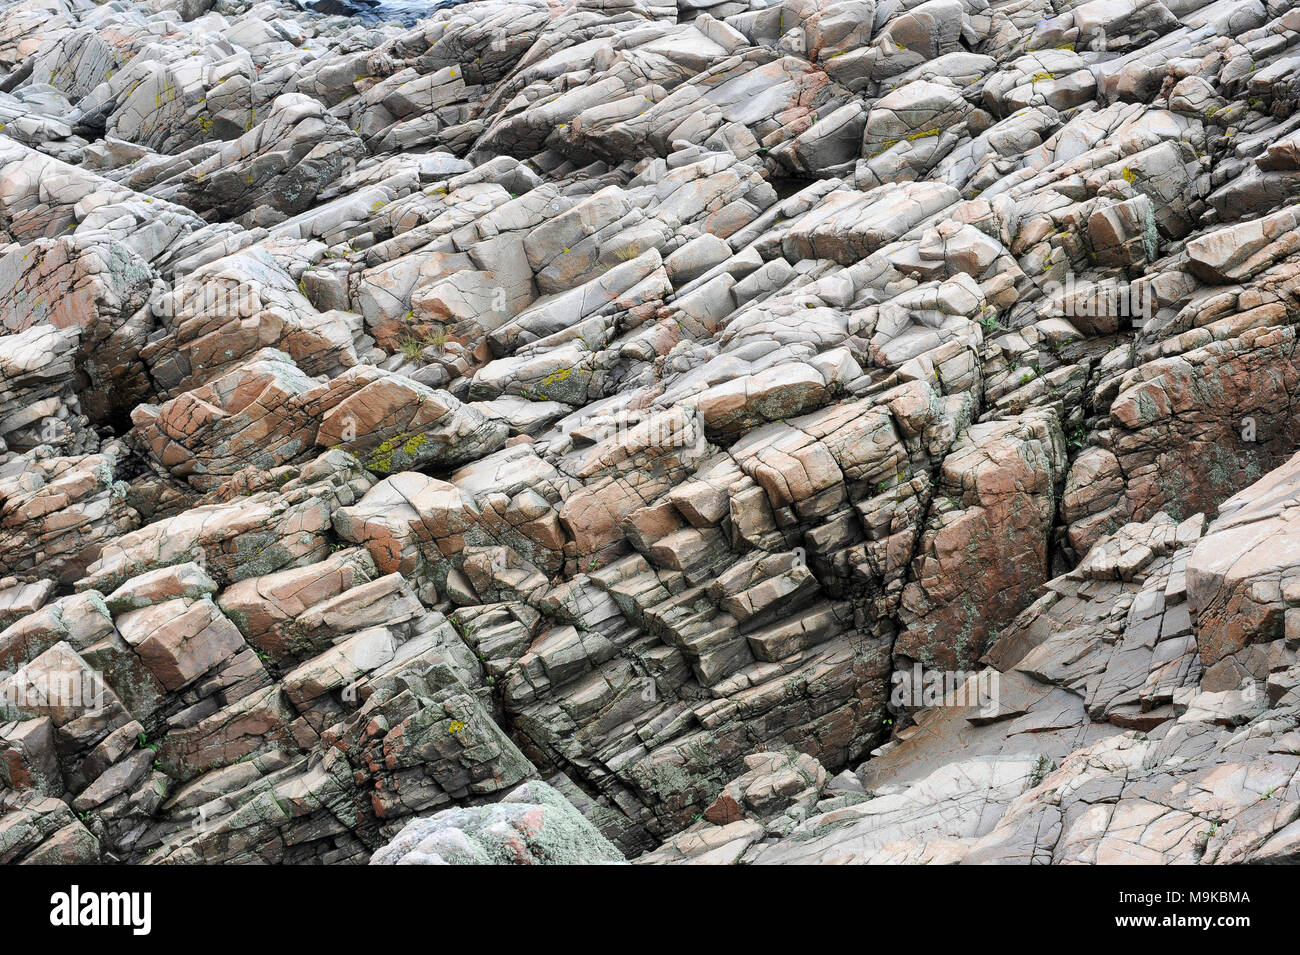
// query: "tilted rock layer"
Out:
[547,432]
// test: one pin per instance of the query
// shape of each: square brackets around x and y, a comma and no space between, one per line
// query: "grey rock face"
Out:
[399,411]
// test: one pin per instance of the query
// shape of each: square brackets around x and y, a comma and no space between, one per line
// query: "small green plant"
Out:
[412,345]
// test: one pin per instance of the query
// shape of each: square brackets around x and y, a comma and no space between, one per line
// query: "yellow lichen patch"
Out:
[414,444]
[382,459]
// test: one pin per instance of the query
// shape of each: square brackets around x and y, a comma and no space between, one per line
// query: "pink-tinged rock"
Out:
[982,557]
[246,537]
[188,581]
[1245,572]
[58,513]
[181,639]
[395,424]
[265,608]
[1239,251]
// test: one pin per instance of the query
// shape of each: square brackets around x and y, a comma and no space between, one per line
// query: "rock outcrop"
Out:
[510,431]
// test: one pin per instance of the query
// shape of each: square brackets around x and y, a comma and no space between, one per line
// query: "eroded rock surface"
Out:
[550,433]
